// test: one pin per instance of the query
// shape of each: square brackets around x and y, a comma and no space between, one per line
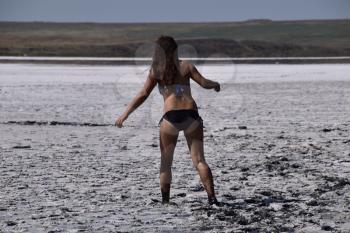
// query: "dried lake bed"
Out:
[276,138]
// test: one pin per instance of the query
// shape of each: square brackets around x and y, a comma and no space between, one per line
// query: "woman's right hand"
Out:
[217,87]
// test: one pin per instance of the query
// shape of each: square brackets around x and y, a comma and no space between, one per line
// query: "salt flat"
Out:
[276,138]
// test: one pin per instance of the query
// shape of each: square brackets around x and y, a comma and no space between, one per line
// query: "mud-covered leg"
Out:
[168,139]
[194,137]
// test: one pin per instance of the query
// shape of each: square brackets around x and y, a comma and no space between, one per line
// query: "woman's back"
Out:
[178,94]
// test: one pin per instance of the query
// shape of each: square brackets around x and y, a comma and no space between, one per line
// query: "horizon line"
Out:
[181,22]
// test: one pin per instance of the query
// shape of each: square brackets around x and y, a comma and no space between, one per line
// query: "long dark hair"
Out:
[165,61]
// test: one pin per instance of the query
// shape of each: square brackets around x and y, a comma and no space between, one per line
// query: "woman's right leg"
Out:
[194,137]
[168,139]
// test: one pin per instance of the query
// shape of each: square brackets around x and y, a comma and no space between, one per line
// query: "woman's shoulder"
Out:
[185,63]
[186,66]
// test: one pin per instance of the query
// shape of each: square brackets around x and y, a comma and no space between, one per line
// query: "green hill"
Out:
[255,38]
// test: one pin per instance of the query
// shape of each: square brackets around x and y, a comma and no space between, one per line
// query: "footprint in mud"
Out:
[11,223]
[157,203]
[124,148]
[332,184]
[197,188]
[180,195]
[229,197]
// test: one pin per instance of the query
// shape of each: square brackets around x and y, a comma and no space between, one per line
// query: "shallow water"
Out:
[64,168]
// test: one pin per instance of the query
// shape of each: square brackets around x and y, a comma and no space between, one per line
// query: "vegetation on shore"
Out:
[254,38]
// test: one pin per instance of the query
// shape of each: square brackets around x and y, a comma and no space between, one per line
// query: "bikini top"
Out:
[179,88]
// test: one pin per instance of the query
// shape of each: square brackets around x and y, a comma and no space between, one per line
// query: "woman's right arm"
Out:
[203,82]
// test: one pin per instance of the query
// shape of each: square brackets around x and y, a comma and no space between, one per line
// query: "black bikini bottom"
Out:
[182,118]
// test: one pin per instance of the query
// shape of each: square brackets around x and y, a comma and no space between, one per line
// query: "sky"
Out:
[170,11]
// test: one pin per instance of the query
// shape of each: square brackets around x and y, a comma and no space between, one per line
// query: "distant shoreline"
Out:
[147,60]
[254,38]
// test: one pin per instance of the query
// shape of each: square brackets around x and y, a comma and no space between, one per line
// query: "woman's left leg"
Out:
[194,137]
[168,139]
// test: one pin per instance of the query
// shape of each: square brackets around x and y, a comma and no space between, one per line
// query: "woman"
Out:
[180,112]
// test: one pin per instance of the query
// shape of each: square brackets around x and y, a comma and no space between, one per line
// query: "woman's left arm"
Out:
[137,100]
